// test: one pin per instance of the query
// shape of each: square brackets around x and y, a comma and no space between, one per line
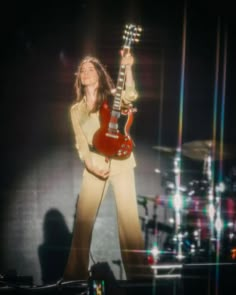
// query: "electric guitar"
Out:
[110,140]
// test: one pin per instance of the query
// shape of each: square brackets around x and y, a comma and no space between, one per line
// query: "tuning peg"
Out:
[137,35]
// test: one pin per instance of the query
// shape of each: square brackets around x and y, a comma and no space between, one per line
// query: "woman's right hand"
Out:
[101,173]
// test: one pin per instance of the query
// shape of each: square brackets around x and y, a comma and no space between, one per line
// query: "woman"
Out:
[93,85]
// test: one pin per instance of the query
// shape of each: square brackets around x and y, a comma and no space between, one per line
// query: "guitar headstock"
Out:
[131,35]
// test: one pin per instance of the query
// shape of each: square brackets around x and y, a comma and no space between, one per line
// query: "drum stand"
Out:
[143,202]
[214,205]
[178,204]
[207,170]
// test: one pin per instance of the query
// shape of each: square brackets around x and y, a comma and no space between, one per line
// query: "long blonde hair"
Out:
[105,83]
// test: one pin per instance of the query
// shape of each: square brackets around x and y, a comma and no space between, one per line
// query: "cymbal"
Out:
[200,149]
[206,144]
[165,149]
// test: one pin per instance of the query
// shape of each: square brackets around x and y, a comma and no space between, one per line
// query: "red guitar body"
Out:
[110,141]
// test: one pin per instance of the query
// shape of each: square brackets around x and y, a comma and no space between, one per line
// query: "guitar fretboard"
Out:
[115,114]
[131,35]
[119,88]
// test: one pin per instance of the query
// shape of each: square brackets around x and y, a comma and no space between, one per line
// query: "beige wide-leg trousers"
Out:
[92,193]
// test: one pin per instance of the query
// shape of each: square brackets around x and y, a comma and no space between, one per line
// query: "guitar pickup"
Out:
[112,135]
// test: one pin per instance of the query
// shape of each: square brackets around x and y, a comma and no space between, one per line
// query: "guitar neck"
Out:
[131,35]
[119,88]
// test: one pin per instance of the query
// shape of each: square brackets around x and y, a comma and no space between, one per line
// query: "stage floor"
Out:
[203,279]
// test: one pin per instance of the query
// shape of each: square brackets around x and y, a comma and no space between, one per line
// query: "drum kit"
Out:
[202,222]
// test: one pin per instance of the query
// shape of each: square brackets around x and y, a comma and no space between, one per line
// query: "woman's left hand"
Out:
[127,60]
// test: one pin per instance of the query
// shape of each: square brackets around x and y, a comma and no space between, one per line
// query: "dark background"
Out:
[42,43]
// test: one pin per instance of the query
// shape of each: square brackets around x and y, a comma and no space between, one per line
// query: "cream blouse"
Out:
[85,124]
